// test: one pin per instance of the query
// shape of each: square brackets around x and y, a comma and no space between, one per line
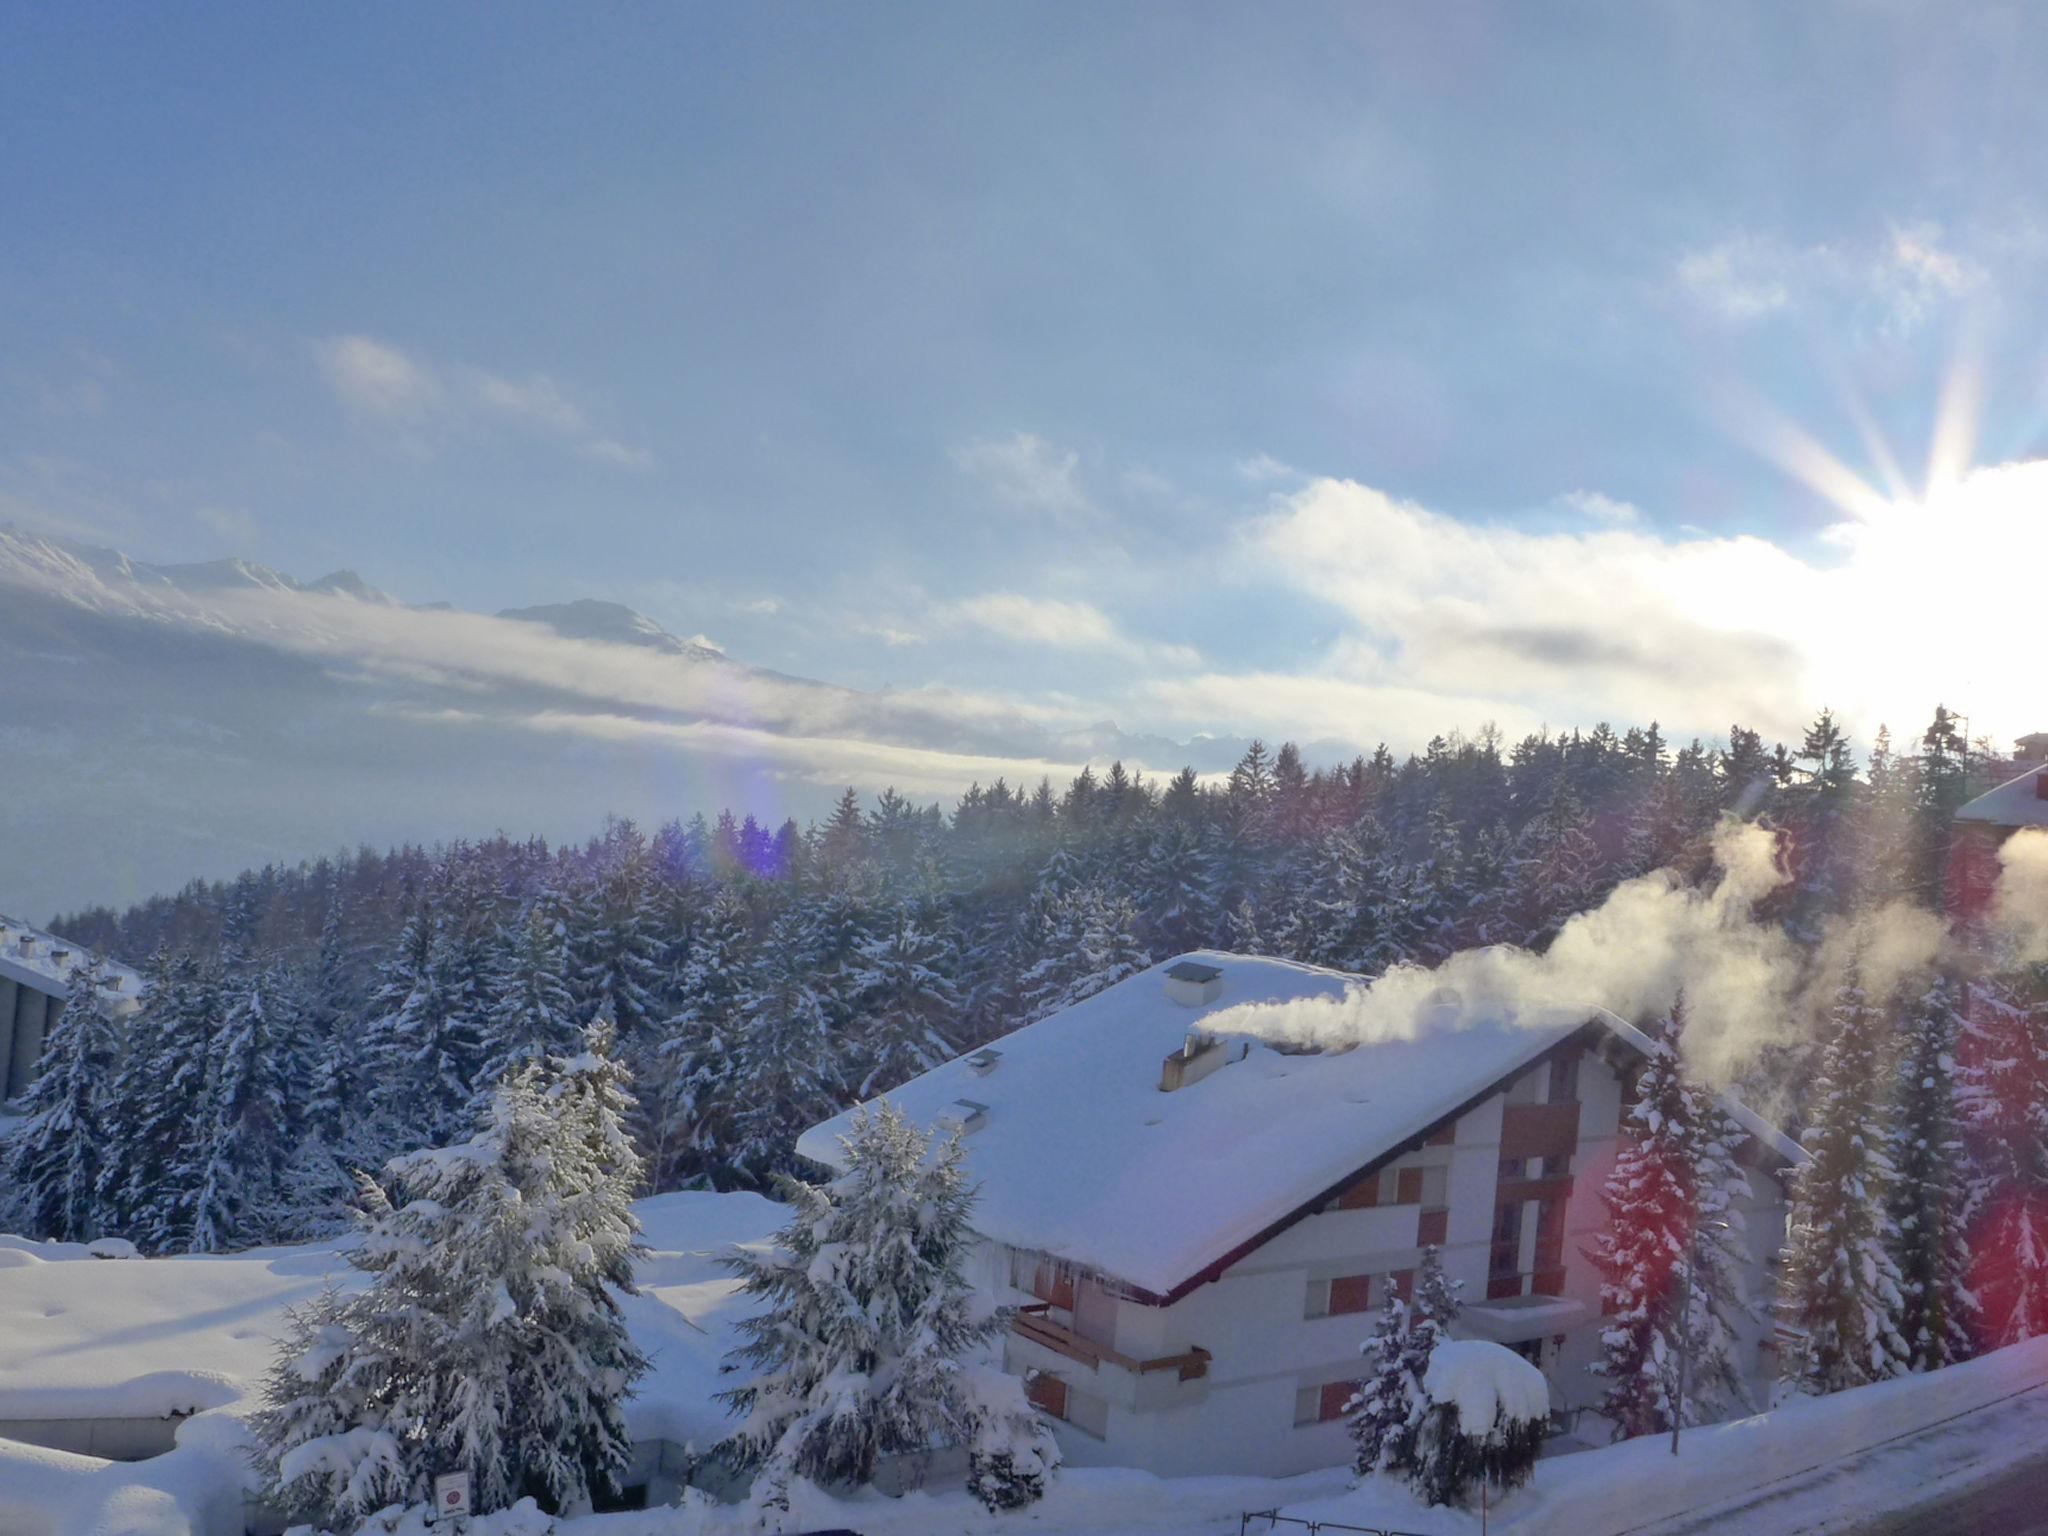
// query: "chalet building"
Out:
[36,972]
[1198,1223]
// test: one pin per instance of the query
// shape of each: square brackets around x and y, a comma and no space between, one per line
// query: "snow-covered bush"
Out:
[863,1349]
[490,1337]
[1010,1456]
[1485,1415]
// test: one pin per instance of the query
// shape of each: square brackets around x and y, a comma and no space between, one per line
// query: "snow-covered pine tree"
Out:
[1670,1208]
[785,1068]
[1384,1413]
[868,1318]
[909,1006]
[1930,1193]
[234,1161]
[1089,942]
[531,1012]
[1842,1284]
[2003,1089]
[612,948]
[1556,871]
[162,1086]
[690,1134]
[489,1336]
[55,1155]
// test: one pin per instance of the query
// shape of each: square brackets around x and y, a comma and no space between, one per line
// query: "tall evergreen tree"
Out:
[1672,1232]
[1842,1283]
[490,1335]
[868,1319]
[55,1156]
[1929,1198]
[2003,1090]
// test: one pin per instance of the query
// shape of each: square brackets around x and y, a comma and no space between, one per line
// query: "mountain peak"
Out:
[590,618]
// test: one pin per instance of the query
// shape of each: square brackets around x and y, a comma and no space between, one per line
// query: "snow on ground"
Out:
[1639,1486]
[126,1336]
[82,1337]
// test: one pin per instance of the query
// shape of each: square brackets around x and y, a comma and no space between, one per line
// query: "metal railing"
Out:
[1274,1519]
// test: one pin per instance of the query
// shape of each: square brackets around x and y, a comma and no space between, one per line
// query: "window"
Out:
[1319,1405]
[1444,1135]
[1339,1297]
[1047,1393]
[1408,1187]
[1350,1293]
[1403,1282]
[1433,1227]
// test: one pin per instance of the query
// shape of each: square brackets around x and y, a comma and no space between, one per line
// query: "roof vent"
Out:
[963,1117]
[28,944]
[1193,984]
[984,1061]
[61,956]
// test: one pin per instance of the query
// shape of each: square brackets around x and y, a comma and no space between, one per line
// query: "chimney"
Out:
[28,944]
[1193,984]
[1200,1054]
[963,1117]
[984,1061]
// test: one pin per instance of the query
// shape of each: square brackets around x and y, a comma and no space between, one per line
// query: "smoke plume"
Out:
[2019,904]
[1748,986]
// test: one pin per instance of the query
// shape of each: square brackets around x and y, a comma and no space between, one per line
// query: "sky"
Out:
[1347,373]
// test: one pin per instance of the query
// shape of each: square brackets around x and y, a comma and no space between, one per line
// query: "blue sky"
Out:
[1344,372]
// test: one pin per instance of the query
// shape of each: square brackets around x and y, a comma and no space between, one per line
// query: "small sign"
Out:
[451,1495]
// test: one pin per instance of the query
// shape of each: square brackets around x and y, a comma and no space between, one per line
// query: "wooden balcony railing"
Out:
[1032,1323]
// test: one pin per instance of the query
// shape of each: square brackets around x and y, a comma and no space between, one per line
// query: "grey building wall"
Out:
[28,1021]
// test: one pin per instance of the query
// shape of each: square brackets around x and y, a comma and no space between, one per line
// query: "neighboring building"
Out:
[2019,802]
[2031,749]
[1200,1226]
[1982,827]
[36,971]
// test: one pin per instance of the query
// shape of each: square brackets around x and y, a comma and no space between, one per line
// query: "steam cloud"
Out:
[1747,985]
[2019,905]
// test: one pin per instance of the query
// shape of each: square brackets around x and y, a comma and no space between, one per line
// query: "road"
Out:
[2014,1503]
[1982,1474]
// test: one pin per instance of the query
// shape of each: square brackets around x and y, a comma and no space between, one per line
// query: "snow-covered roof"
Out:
[2016,803]
[1080,1155]
[30,957]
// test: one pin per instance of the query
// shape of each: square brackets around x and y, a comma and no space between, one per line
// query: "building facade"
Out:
[1244,1363]
[37,971]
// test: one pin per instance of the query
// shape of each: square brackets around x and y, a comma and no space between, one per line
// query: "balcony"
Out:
[1033,1324]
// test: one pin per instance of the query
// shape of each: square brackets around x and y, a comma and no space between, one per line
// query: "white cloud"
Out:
[761,606]
[1455,623]
[377,378]
[1026,471]
[1059,624]
[1263,469]
[893,635]
[1896,281]
[380,380]
[1603,508]
[236,524]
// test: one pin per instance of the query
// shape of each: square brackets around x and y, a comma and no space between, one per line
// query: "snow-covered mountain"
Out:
[161,721]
